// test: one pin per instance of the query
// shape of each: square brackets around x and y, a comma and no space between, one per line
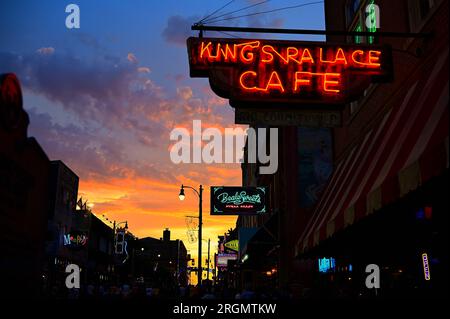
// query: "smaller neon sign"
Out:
[230,200]
[327,264]
[75,239]
[232,244]
[426,267]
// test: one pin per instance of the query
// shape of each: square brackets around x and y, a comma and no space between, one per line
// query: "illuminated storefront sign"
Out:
[287,71]
[227,200]
[222,259]
[75,240]
[426,267]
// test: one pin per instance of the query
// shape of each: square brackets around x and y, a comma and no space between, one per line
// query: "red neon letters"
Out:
[266,68]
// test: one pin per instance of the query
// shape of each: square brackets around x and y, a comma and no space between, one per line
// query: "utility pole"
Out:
[209,244]
[200,222]
[178,262]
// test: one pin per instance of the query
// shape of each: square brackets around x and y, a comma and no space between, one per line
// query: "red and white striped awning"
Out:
[406,148]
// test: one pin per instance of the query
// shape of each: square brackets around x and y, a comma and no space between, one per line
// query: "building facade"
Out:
[161,262]
[24,177]
[63,192]
[370,191]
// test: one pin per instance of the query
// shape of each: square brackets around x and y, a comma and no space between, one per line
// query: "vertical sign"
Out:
[426,267]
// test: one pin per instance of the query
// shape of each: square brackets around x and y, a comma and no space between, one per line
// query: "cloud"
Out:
[132,58]
[107,91]
[46,51]
[178,29]
[143,69]
[185,92]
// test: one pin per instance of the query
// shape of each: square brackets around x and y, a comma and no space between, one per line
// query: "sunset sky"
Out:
[104,98]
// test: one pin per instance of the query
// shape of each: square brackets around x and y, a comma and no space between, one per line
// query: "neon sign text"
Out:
[252,52]
[297,58]
[75,240]
[426,267]
[265,69]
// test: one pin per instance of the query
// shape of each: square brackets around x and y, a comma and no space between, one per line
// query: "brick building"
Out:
[383,200]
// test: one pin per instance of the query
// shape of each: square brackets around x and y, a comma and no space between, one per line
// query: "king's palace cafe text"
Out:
[270,69]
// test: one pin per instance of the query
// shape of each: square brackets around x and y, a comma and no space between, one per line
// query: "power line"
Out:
[228,13]
[224,6]
[263,12]
[229,34]
[314,32]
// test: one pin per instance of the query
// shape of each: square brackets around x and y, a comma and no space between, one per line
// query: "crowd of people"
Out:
[142,292]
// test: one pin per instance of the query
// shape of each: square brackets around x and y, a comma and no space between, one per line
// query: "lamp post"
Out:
[200,222]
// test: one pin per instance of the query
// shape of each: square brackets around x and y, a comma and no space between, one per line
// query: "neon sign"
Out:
[232,244]
[267,70]
[426,267]
[229,200]
[222,259]
[75,240]
[327,264]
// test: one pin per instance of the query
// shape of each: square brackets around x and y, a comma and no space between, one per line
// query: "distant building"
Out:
[163,256]
[100,259]
[63,192]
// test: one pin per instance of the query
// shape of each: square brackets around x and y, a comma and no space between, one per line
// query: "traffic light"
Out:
[120,239]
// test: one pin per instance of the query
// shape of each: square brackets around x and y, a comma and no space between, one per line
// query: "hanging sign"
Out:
[232,244]
[287,72]
[292,117]
[226,200]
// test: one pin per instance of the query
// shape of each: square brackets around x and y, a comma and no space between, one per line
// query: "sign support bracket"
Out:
[201,28]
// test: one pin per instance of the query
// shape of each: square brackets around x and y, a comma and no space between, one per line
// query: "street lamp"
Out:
[200,219]
[181,195]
